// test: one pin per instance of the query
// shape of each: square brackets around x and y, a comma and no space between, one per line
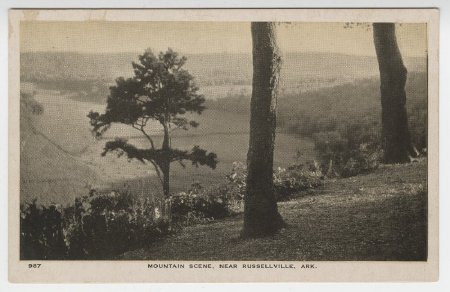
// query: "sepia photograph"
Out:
[223,144]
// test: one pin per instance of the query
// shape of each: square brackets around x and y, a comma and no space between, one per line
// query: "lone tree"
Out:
[395,133]
[161,90]
[261,215]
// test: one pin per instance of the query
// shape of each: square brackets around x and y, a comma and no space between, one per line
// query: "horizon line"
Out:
[208,53]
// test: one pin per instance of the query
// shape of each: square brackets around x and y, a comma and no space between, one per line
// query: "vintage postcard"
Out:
[223,145]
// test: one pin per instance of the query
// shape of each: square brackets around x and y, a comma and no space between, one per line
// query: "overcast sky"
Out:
[208,37]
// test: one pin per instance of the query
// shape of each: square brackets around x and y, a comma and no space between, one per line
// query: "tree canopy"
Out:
[160,90]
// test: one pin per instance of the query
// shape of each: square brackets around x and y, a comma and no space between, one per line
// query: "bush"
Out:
[199,205]
[354,148]
[294,179]
[41,233]
[103,225]
[287,181]
[97,226]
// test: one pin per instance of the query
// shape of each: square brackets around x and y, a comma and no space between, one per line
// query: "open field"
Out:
[379,216]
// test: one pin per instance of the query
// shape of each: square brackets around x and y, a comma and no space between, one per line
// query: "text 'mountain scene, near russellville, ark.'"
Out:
[263,141]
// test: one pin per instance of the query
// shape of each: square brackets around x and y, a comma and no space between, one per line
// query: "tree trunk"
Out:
[165,165]
[261,215]
[396,139]
[165,169]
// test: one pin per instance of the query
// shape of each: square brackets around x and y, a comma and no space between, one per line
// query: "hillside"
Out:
[216,74]
[59,139]
[329,108]
[63,85]
[48,172]
[223,129]
[379,216]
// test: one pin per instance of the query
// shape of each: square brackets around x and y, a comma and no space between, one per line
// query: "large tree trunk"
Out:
[165,165]
[395,134]
[261,215]
[165,169]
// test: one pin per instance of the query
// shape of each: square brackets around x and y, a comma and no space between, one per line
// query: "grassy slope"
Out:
[379,216]
[49,172]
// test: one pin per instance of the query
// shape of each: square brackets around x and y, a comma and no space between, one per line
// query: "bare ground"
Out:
[378,216]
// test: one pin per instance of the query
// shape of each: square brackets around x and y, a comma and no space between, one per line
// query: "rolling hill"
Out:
[61,160]
[216,74]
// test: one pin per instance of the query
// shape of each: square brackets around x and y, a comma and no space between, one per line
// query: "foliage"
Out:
[351,143]
[41,232]
[344,121]
[162,91]
[287,181]
[104,225]
[238,177]
[97,226]
[352,149]
[234,103]
[327,109]
[294,179]
[197,155]
[199,205]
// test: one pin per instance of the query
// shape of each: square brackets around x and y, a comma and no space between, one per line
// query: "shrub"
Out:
[41,234]
[352,149]
[103,225]
[111,223]
[287,181]
[199,205]
[97,226]
[238,178]
[294,179]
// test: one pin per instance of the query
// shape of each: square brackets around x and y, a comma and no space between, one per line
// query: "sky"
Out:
[208,37]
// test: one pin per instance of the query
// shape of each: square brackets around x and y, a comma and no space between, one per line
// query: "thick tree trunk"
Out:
[395,134]
[261,215]
[165,169]
[165,165]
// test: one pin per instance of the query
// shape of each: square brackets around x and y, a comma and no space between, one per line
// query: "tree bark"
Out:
[165,169]
[261,215]
[165,165]
[396,139]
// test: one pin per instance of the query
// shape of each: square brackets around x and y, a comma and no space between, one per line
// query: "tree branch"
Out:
[158,172]
[148,137]
[197,156]
[140,128]
[122,147]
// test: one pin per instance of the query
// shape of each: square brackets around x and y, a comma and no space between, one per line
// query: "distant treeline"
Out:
[208,69]
[89,90]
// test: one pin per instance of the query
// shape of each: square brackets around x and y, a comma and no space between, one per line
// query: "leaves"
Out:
[99,226]
[197,155]
[160,90]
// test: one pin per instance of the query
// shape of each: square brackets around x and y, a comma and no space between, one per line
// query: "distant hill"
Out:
[209,69]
